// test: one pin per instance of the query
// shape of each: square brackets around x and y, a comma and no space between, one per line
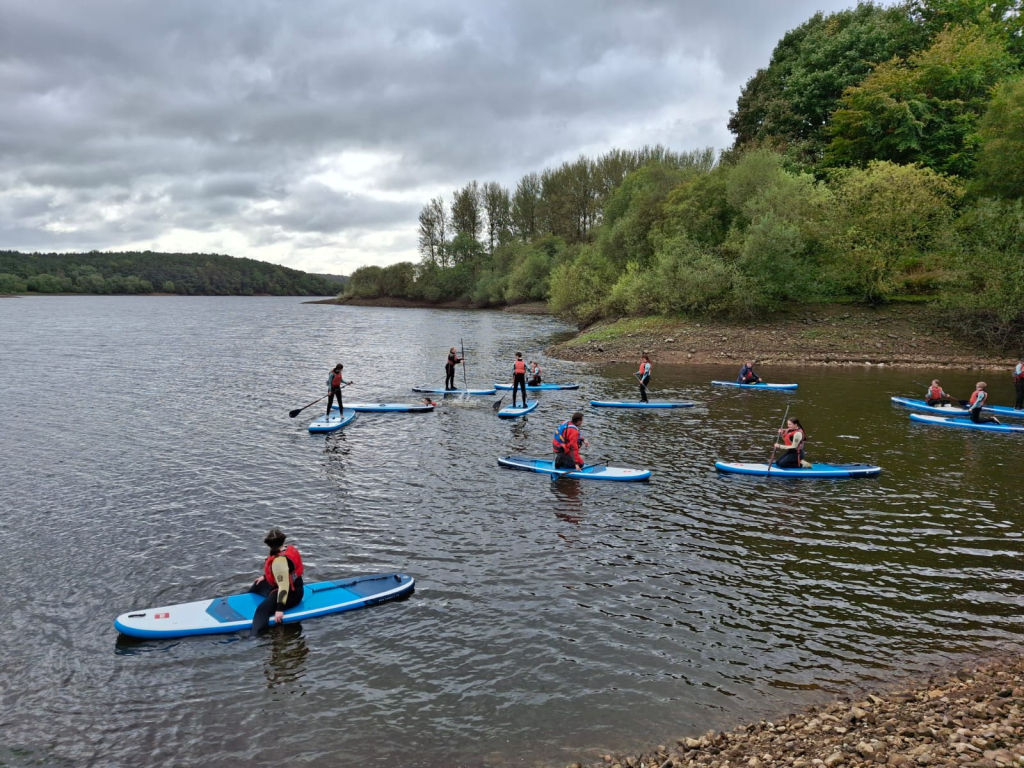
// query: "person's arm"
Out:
[280,570]
[574,448]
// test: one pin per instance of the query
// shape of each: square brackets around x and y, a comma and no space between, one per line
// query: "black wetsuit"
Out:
[518,382]
[449,370]
[269,606]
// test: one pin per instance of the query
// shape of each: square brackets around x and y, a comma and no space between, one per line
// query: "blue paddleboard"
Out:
[508,412]
[634,404]
[442,391]
[333,422]
[388,407]
[818,470]
[762,385]
[952,410]
[965,423]
[592,472]
[540,387]
[235,613]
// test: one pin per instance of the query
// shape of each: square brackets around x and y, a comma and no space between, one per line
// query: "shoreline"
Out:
[972,715]
[528,308]
[829,335]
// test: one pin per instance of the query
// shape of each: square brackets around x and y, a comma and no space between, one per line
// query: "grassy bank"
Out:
[900,335]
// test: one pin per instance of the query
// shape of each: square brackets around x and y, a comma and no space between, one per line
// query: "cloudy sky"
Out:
[310,133]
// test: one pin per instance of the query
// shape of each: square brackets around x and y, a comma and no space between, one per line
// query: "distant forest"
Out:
[878,157]
[188,274]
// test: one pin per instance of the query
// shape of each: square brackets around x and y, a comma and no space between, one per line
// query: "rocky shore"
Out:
[972,718]
[821,335]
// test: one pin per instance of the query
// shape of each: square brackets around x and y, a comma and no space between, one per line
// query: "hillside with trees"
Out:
[188,274]
[878,157]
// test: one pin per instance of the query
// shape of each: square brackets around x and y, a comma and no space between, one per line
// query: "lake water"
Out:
[145,449]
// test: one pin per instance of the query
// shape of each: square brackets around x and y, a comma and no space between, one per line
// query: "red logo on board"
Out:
[161,615]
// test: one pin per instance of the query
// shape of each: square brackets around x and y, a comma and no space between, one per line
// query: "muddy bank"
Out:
[828,335]
[531,308]
[971,717]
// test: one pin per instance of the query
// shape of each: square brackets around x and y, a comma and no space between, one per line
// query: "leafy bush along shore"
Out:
[878,157]
[188,274]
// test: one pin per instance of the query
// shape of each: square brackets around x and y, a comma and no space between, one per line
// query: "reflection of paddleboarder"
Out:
[449,369]
[281,582]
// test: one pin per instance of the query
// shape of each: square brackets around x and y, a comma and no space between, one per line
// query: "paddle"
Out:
[776,441]
[297,411]
[639,378]
[465,386]
[497,406]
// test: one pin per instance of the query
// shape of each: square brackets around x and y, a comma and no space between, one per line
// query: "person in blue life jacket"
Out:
[979,398]
[747,375]
[643,375]
[566,443]
[334,384]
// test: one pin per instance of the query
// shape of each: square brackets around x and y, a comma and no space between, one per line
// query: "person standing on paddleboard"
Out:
[334,382]
[644,376]
[747,375]
[566,443]
[281,582]
[1018,384]
[978,399]
[518,378]
[449,369]
[792,445]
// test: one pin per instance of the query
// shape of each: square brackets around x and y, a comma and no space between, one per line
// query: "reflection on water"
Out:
[549,617]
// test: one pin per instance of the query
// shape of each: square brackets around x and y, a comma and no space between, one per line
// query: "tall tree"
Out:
[1000,168]
[498,207]
[467,210]
[525,207]
[434,232]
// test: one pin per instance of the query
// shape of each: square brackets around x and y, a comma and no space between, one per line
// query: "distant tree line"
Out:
[188,274]
[879,156]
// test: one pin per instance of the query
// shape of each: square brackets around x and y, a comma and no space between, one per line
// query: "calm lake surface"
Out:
[145,449]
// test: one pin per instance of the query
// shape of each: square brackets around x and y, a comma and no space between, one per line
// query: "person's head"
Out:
[645,357]
[338,367]
[577,418]
[794,423]
[935,382]
[452,350]
[519,355]
[980,385]
[274,539]
[750,363]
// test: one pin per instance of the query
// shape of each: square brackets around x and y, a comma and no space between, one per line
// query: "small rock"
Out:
[836,758]
[937,693]
[670,341]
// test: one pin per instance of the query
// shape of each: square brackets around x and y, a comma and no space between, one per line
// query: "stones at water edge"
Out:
[974,719]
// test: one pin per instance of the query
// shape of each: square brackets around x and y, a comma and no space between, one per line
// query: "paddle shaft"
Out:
[641,380]
[775,442]
[462,346]
[297,411]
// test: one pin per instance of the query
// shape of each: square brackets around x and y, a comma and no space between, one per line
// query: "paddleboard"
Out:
[818,470]
[952,410]
[332,422]
[508,412]
[634,404]
[540,387]
[442,391]
[762,385]
[964,423]
[235,613]
[388,407]
[593,472]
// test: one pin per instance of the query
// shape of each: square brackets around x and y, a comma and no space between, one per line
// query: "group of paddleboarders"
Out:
[936,397]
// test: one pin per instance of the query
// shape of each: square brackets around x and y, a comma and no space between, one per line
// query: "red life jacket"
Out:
[561,441]
[519,367]
[336,380]
[293,573]
[787,441]
[978,394]
[934,393]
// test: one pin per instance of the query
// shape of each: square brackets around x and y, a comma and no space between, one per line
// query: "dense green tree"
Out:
[1000,167]
[498,210]
[468,211]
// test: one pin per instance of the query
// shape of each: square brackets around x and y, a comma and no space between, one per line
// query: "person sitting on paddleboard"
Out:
[566,443]
[449,369]
[978,399]
[644,376]
[534,374]
[334,382]
[518,378]
[792,445]
[937,396]
[747,375]
[1018,384]
[281,582]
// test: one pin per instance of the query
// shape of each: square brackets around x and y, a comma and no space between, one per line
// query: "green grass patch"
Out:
[620,329]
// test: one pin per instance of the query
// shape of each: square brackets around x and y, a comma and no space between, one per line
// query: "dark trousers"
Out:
[564,461]
[534,381]
[977,418]
[449,376]
[788,460]
[335,393]
[1020,394]
[266,609]
[518,382]
[643,388]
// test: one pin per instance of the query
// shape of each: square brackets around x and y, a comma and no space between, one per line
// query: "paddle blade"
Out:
[497,405]
[296,412]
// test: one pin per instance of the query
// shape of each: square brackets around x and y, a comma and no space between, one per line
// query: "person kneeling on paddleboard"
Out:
[281,582]
[518,378]
[978,399]
[747,375]
[566,443]
[534,374]
[793,440]
[334,382]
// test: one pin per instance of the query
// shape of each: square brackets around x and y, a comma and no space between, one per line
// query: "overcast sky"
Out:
[310,133]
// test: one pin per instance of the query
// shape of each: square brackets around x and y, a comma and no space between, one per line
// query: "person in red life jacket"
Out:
[747,375]
[428,401]
[979,398]
[566,443]
[644,376]
[792,445]
[937,396]
[534,374]
[518,378]
[1018,384]
[449,369]
[334,382]
[281,582]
